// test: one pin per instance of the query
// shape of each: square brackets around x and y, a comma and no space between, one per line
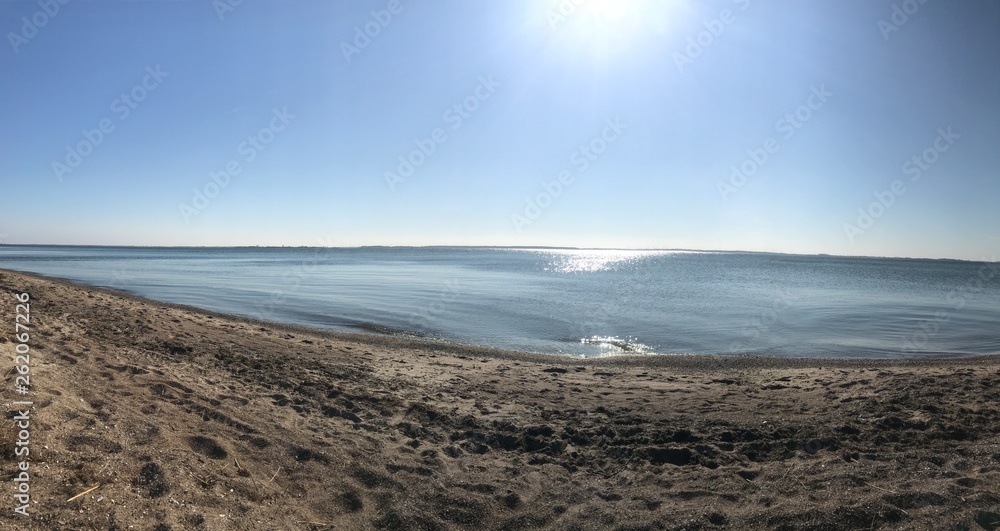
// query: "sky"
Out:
[850,127]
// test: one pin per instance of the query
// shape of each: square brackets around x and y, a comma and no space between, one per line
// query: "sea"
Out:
[571,302]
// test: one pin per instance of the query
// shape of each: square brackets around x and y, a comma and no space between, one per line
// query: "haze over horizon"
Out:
[846,128]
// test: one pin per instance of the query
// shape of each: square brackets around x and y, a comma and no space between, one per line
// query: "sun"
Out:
[609,10]
[602,31]
[598,16]
[595,11]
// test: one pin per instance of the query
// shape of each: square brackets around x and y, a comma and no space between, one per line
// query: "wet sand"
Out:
[188,419]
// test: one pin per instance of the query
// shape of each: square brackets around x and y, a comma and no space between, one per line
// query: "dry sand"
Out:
[193,420]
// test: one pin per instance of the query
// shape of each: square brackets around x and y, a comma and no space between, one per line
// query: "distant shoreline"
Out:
[508,247]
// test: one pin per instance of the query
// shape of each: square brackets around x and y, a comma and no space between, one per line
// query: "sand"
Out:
[188,419]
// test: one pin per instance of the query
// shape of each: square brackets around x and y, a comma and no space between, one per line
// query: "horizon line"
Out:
[522,247]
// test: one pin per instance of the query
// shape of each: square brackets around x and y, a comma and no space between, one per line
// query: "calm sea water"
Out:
[572,302]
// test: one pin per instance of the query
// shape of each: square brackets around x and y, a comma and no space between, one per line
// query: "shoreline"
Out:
[647,360]
[189,419]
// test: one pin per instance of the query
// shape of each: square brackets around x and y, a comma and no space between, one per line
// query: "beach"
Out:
[188,419]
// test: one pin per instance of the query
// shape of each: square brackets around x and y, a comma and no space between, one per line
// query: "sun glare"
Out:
[608,10]
[605,27]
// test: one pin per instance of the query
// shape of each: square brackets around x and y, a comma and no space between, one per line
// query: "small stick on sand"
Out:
[275,475]
[103,467]
[84,493]
[879,488]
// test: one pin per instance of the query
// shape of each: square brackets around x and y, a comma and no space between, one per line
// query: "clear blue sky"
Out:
[548,83]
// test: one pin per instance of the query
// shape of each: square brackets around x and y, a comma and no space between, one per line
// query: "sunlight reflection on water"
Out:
[591,260]
[616,346]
